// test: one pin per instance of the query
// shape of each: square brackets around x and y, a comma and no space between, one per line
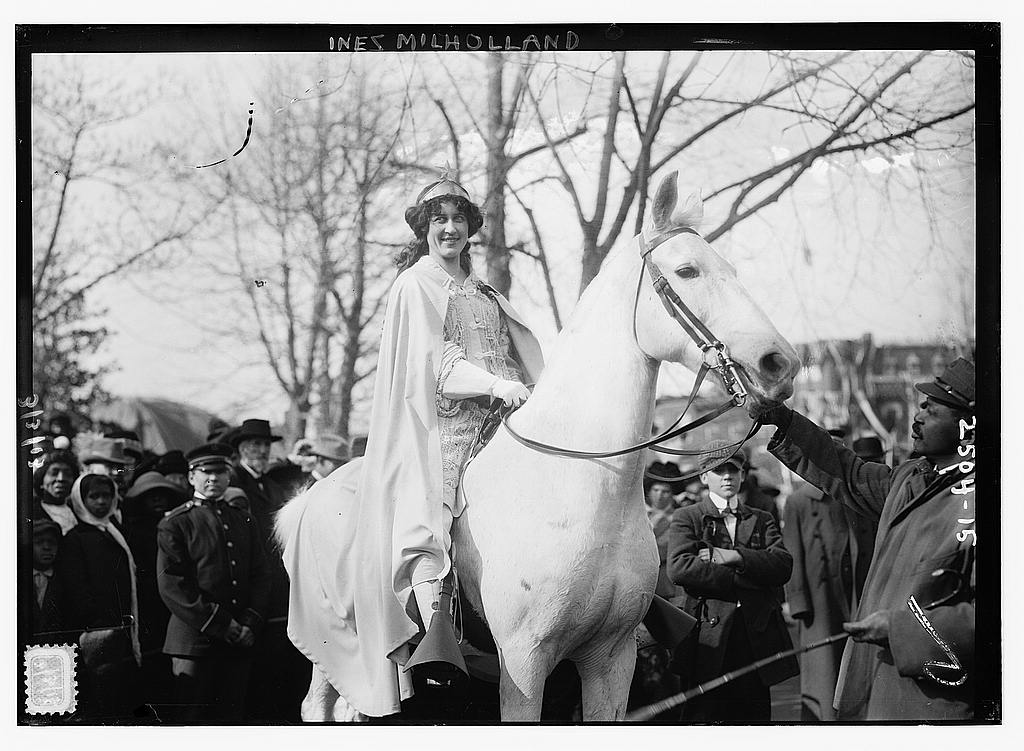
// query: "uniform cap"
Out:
[955,387]
[209,455]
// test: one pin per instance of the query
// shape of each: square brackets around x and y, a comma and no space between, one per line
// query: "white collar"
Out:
[721,503]
[250,470]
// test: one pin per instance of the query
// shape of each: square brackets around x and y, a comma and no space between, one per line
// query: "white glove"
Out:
[512,393]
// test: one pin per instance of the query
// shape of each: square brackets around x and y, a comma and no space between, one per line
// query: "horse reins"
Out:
[705,341]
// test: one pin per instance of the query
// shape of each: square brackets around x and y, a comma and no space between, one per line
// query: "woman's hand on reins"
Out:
[512,393]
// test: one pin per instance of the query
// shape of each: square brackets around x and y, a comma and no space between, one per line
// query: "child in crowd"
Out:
[46,612]
[98,572]
[731,561]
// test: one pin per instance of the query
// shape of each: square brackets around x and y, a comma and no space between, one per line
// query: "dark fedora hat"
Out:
[149,481]
[253,428]
[954,388]
[664,472]
[173,462]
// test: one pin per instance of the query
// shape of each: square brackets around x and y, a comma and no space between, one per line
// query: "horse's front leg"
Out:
[522,695]
[606,679]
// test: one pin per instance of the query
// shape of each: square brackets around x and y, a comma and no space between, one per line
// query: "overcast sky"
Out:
[837,257]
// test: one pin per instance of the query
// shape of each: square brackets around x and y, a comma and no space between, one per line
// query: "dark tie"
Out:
[42,580]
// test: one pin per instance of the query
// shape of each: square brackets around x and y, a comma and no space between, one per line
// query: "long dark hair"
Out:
[418,218]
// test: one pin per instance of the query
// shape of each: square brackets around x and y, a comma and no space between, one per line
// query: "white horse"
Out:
[556,553]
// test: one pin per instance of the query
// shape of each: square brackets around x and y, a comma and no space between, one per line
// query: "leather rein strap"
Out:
[701,336]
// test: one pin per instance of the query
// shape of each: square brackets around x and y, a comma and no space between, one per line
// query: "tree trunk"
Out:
[353,322]
[593,256]
[593,251]
[494,200]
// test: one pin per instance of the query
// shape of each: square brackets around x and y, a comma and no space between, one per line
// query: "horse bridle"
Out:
[681,314]
[707,342]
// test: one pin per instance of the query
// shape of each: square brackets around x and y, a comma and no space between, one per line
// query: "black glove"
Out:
[779,415]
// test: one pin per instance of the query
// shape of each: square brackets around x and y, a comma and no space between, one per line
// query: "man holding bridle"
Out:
[912,652]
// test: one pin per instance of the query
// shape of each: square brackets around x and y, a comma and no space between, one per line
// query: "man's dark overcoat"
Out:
[925,532]
[281,674]
[831,554]
[720,595]
[266,498]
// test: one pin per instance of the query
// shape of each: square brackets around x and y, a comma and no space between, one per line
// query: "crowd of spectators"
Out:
[163,569]
[110,573]
[869,565]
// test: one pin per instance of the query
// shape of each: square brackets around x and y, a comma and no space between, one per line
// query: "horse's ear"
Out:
[690,212]
[665,200]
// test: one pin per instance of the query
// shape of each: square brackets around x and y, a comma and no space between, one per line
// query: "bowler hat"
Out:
[954,388]
[868,447]
[106,450]
[720,452]
[209,455]
[149,481]
[664,472]
[253,428]
[330,446]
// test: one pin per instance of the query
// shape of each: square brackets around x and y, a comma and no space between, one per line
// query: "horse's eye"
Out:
[687,272]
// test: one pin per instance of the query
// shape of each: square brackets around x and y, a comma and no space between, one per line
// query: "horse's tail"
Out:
[287,518]
[331,490]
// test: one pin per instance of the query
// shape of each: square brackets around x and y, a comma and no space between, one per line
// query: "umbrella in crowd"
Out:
[161,424]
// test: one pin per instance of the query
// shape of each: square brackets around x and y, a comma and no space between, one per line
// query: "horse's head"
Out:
[707,284]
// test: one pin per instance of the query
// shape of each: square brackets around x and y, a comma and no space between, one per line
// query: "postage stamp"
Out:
[50,686]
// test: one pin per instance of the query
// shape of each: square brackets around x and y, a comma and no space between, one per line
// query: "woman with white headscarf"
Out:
[101,598]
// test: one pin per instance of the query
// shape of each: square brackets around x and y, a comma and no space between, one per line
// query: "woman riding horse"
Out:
[451,344]
[585,579]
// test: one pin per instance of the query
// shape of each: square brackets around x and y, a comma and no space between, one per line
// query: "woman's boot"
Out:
[437,657]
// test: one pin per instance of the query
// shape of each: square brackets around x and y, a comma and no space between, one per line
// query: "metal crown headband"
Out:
[443,187]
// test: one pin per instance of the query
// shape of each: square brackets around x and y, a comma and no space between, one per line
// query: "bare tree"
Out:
[498,124]
[307,255]
[843,102]
[92,201]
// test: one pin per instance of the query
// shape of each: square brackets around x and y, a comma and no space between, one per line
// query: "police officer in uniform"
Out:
[215,580]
